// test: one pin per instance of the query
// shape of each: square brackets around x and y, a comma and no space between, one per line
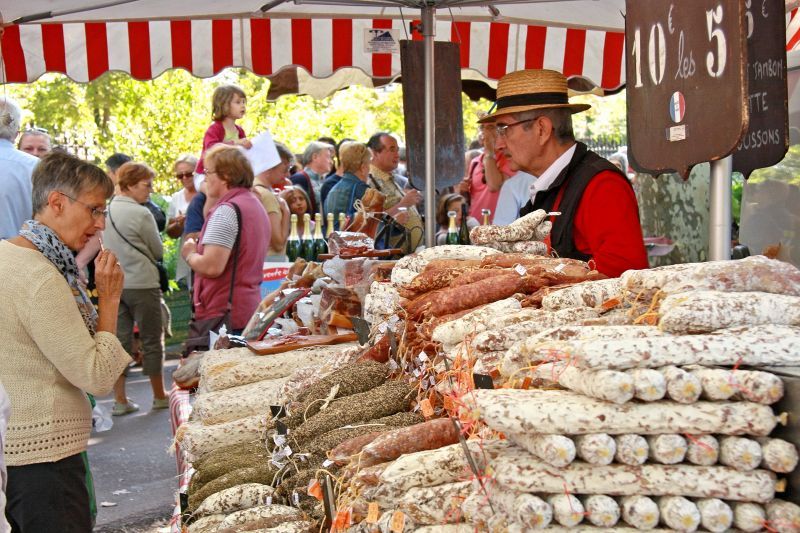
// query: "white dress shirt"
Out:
[545,181]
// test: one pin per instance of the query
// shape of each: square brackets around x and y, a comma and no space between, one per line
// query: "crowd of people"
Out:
[81,253]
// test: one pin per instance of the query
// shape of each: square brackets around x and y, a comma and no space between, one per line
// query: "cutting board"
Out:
[280,345]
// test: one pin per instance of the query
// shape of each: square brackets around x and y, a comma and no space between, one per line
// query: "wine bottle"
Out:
[463,232]
[452,232]
[307,240]
[342,221]
[485,213]
[293,244]
[320,244]
[330,226]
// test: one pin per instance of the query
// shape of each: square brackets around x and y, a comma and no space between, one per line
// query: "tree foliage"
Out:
[156,121]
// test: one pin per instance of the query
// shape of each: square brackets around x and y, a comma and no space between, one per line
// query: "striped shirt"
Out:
[222,228]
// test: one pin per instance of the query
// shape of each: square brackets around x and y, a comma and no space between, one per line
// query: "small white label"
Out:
[296,498]
[393,365]
[560,267]
[423,356]
[521,270]
[676,133]
[327,463]
[269,500]
[279,439]
[381,41]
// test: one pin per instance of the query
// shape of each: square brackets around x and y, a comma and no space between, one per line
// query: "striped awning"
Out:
[145,49]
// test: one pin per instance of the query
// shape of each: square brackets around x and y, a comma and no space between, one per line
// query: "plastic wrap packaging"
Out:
[349,243]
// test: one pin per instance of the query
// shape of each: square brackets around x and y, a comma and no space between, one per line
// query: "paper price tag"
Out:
[373,513]
[426,408]
[448,403]
[521,270]
[398,522]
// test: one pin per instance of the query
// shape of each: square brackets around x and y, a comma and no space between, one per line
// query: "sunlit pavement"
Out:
[134,472]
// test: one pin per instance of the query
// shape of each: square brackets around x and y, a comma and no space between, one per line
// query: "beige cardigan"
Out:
[48,360]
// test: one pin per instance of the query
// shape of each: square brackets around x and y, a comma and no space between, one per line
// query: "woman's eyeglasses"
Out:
[97,213]
[181,175]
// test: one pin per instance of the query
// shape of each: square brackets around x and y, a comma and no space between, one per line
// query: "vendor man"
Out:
[599,218]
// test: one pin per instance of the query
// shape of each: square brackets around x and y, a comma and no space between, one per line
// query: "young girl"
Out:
[228,104]
[450,202]
[297,200]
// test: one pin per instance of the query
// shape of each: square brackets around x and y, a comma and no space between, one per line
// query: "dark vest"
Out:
[574,179]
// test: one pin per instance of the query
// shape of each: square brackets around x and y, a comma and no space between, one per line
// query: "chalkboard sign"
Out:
[767,138]
[449,156]
[686,82]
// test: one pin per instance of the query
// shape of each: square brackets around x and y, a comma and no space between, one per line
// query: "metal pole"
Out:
[428,33]
[719,234]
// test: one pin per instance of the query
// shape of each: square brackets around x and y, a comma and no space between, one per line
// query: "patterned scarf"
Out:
[52,247]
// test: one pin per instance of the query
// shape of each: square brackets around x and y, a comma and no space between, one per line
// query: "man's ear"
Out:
[545,129]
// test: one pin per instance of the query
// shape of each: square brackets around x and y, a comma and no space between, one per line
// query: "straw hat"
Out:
[524,90]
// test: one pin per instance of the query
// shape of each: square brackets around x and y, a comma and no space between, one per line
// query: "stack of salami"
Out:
[631,403]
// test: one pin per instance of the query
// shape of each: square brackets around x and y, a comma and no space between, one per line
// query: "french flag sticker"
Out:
[677,107]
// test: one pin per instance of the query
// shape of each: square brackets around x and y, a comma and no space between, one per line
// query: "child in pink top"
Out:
[228,104]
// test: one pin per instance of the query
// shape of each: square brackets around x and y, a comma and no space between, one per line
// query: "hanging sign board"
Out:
[767,138]
[686,82]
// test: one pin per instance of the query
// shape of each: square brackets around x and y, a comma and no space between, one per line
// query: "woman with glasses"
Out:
[55,346]
[134,237]
[178,205]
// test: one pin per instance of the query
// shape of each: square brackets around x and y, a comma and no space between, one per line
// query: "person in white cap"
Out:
[599,220]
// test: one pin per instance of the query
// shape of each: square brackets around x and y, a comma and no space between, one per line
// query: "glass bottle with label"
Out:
[320,244]
[452,232]
[342,221]
[307,241]
[293,244]
[463,232]
[485,213]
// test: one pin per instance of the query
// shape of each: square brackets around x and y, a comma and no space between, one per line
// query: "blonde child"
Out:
[228,105]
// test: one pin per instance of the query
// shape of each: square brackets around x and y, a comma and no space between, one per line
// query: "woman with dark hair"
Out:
[55,346]
[237,216]
[134,237]
[450,202]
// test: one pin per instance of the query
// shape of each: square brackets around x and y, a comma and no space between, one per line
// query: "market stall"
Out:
[511,391]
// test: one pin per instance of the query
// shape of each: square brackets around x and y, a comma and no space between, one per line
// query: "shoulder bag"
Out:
[163,276]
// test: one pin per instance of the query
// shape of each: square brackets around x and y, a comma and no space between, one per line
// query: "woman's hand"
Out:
[108,276]
[244,142]
[189,247]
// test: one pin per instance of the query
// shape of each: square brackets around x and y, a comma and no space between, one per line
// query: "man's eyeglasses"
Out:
[181,175]
[502,129]
[97,213]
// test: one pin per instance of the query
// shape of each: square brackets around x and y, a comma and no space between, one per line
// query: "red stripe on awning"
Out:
[55,56]
[261,46]
[382,63]
[459,33]
[415,33]
[498,49]
[534,46]
[222,44]
[613,52]
[181,37]
[794,39]
[13,56]
[342,43]
[139,47]
[574,50]
[302,44]
[96,49]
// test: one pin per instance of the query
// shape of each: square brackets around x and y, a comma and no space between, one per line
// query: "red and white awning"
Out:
[145,49]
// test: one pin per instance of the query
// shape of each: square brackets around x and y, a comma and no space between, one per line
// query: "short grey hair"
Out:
[10,118]
[314,147]
[283,152]
[561,117]
[189,159]
[65,173]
